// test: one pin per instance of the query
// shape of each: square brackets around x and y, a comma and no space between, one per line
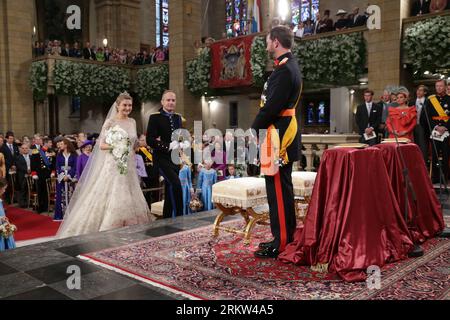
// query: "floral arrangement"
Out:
[330,60]
[258,60]
[152,81]
[92,80]
[118,139]
[7,229]
[426,45]
[198,73]
[195,204]
[38,80]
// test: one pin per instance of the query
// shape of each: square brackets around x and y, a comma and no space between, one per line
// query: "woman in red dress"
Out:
[402,118]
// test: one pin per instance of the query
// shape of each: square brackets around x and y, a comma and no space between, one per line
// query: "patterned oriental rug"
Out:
[195,265]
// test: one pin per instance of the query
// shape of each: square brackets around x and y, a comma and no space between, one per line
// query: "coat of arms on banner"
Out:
[233,62]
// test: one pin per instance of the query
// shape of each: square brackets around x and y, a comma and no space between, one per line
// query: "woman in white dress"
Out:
[104,198]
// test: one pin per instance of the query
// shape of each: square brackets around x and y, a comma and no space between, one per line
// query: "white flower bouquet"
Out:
[7,229]
[118,139]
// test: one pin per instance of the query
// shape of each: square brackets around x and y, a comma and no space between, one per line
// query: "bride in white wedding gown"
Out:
[104,199]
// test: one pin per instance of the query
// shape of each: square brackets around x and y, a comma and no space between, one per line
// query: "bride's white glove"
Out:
[174,145]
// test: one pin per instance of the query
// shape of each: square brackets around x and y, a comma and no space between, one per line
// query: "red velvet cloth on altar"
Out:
[425,218]
[231,63]
[353,219]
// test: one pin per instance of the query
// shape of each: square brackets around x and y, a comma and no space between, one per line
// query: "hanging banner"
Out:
[231,63]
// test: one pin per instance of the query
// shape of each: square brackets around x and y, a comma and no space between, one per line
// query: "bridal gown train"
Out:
[106,199]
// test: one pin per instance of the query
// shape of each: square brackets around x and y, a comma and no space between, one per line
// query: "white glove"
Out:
[174,145]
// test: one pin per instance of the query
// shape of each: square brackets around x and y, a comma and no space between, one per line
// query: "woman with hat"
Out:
[342,22]
[66,162]
[86,149]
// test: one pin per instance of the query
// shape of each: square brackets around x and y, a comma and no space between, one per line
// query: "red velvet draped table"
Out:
[354,220]
[425,217]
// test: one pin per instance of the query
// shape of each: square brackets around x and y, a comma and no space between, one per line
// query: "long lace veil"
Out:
[88,177]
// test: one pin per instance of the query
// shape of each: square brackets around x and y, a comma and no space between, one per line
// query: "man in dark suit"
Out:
[23,169]
[368,118]
[9,150]
[421,134]
[277,112]
[66,52]
[43,167]
[326,24]
[88,53]
[355,19]
[160,127]
[420,7]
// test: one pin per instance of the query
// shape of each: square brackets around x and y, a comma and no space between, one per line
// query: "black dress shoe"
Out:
[264,245]
[268,252]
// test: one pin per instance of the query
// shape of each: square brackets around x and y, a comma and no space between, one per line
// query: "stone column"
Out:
[184,29]
[16,99]
[119,21]
[384,60]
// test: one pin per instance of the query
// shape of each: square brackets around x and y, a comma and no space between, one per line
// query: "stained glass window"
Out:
[236,21]
[162,23]
[303,10]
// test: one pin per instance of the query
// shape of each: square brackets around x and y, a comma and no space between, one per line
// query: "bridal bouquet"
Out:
[118,139]
[7,229]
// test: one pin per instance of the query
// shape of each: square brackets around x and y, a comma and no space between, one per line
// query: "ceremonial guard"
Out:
[161,125]
[281,146]
[437,111]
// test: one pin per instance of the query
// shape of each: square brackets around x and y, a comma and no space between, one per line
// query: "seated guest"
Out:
[82,160]
[66,162]
[5,242]
[206,179]
[401,120]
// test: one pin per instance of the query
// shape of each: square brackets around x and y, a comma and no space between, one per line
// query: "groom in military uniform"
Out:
[281,146]
[437,108]
[161,125]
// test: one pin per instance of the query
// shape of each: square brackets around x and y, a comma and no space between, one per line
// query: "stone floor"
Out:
[39,271]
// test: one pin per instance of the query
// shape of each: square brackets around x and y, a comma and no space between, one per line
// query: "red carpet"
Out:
[31,225]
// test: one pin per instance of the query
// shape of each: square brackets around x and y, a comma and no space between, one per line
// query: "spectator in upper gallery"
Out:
[326,24]
[88,53]
[317,23]
[56,49]
[309,28]
[159,55]
[438,5]
[122,56]
[36,49]
[76,51]
[342,22]
[66,51]
[99,55]
[420,7]
[355,19]
[300,30]
[448,87]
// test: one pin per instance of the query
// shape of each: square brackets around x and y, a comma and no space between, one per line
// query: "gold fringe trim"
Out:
[320,267]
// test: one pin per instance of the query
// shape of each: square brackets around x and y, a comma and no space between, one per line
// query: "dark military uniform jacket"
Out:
[162,124]
[42,166]
[281,92]
[439,116]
